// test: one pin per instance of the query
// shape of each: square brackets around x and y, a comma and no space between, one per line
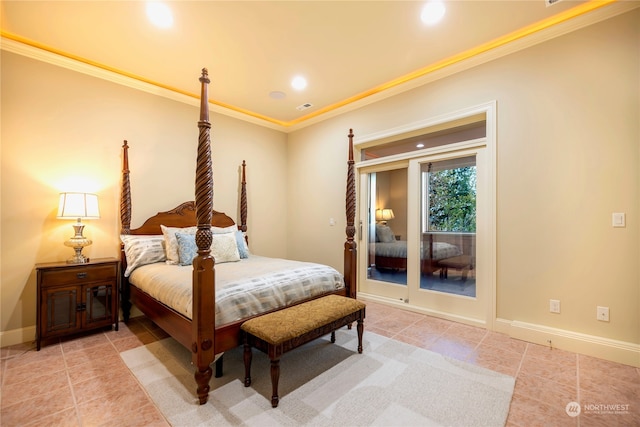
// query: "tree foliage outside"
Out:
[452,200]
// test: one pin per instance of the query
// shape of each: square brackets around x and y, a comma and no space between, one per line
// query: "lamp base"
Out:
[81,259]
[78,258]
[78,242]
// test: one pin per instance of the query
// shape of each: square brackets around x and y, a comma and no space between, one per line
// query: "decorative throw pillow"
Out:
[384,234]
[224,247]
[171,243]
[241,242]
[222,230]
[142,250]
[187,249]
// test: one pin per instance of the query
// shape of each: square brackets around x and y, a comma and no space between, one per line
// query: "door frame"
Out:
[487,252]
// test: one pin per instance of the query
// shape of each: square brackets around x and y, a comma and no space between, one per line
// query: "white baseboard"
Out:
[17,336]
[604,348]
[28,334]
[435,313]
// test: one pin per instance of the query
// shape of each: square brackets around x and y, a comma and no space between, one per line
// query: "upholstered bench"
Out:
[278,332]
[460,262]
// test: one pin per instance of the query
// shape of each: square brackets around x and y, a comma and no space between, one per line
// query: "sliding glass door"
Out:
[427,216]
[448,225]
[385,222]
[448,214]
[421,230]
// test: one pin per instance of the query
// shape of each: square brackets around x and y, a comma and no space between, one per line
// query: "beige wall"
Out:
[568,156]
[63,131]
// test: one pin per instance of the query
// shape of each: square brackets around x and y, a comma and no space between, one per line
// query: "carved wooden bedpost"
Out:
[125,196]
[243,200]
[203,317]
[350,246]
[125,227]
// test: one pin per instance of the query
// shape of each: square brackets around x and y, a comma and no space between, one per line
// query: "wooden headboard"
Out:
[180,216]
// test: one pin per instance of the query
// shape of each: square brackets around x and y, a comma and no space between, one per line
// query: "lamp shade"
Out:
[78,205]
[384,214]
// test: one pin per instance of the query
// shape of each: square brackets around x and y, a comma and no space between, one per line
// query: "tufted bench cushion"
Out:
[295,321]
[278,332]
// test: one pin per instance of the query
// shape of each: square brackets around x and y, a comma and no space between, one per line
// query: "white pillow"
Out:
[171,243]
[222,230]
[224,247]
[384,234]
[241,242]
[142,250]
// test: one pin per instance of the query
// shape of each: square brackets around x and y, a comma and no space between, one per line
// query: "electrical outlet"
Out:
[602,314]
[554,306]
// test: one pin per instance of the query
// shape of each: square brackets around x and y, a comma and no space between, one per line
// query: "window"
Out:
[449,193]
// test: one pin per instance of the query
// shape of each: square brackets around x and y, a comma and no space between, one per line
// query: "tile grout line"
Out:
[66,370]
[73,394]
[524,353]
[144,389]
[578,394]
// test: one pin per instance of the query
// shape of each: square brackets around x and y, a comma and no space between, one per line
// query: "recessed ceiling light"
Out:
[159,14]
[299,83]
[276,94]
[421,145]
[432,12]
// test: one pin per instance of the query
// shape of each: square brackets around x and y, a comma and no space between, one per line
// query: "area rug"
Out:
[324,384]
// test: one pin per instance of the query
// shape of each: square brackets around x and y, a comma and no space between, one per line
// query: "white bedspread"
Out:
[250,286]
[398,249]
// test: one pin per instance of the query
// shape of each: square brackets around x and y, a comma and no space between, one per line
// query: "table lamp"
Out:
[384,215]
[78,206]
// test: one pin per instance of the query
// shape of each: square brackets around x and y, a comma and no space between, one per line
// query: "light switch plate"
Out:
[618,219]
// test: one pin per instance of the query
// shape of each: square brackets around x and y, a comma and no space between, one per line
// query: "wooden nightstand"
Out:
[76,297]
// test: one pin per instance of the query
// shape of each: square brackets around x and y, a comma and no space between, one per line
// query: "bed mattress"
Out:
[398,249]
[245,288]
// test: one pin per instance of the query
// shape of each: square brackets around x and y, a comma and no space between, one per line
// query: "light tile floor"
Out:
[82,381]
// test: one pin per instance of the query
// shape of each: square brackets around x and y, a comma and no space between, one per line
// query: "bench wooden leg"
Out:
[465,272]
[275,377]
[360,329]
[247,355]
[333,337]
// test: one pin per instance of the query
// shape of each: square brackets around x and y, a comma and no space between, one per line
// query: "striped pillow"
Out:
[142,250]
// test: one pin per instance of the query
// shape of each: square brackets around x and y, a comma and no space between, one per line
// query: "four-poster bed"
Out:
[202,326]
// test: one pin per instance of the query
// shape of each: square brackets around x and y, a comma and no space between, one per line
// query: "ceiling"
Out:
[350,52]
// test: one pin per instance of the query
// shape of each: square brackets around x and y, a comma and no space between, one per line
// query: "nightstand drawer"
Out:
[78,275]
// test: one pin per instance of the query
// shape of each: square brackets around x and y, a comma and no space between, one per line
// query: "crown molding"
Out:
[32,52]
[601,14]
[445,68]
